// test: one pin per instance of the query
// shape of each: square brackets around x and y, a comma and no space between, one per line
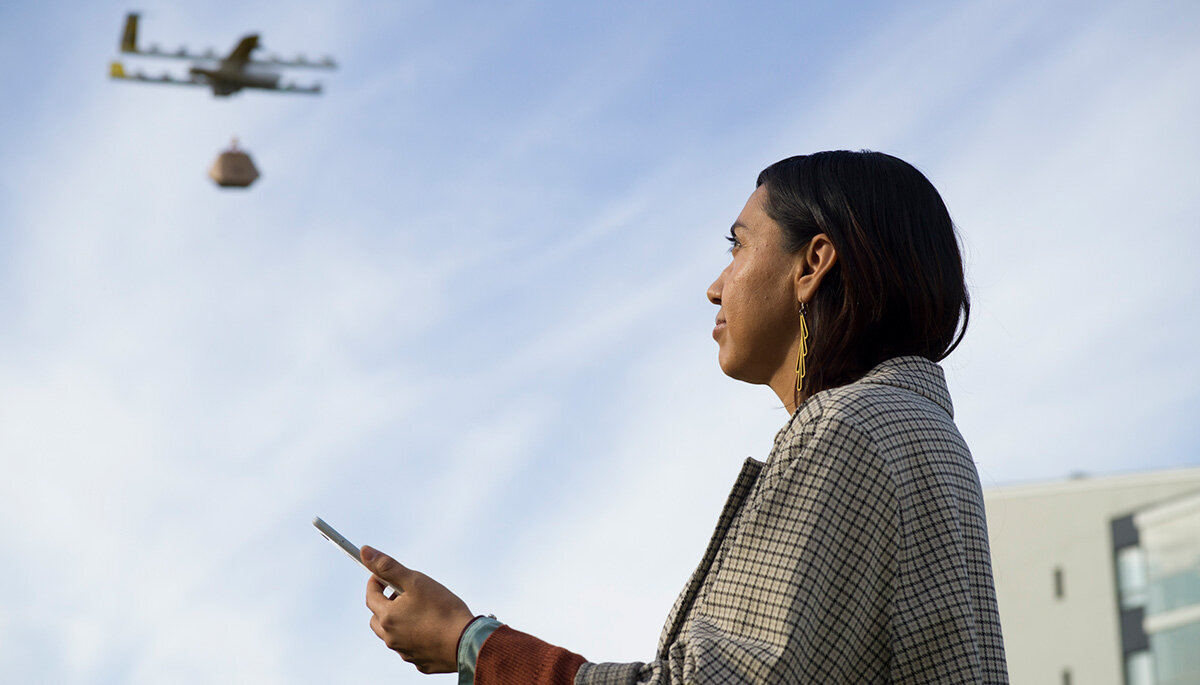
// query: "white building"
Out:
[1098,579]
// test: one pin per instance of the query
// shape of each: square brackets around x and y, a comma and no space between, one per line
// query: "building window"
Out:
[1172,561]
[1139,668]
[1176,660]
[1060,589]
[1066,679]
[1132,579]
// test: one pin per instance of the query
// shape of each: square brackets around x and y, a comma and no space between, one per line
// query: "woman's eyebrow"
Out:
[736,225]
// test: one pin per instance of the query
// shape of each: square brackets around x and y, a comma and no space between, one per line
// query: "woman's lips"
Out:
[719,327]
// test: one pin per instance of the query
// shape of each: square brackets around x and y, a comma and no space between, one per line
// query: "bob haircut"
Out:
[897,287]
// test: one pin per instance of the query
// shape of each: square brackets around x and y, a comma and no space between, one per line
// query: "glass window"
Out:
[1139,669]
[1132,577]
[1172,560]
[1176,659]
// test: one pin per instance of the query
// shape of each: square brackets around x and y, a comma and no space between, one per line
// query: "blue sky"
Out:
[461,315]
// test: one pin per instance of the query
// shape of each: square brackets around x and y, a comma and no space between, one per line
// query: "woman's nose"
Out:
[714,290]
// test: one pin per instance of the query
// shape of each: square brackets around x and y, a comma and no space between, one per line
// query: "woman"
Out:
[857,553]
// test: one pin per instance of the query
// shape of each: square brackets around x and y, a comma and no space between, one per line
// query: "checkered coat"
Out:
[857,553]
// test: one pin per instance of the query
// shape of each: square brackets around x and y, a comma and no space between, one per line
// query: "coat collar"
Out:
[915,374]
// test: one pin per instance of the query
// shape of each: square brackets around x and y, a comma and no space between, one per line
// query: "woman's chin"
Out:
[731,368]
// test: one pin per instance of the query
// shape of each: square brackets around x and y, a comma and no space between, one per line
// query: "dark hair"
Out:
[897,287]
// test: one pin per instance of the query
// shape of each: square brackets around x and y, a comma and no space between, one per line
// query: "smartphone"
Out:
[351,550]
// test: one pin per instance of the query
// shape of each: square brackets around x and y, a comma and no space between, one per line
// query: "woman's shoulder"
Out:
[892,431]
[900,408]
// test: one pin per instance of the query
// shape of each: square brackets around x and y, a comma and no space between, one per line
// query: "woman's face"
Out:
[758,320]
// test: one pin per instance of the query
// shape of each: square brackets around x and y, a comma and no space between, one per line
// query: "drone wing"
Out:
[314,89]
[300,62]
[129,44]
[117,71]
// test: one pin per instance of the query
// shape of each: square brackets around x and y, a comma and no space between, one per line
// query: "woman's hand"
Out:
[423,622]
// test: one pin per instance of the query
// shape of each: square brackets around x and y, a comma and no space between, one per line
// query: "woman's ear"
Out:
[814,260]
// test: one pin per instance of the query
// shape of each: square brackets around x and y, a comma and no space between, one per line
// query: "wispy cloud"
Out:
[487,350]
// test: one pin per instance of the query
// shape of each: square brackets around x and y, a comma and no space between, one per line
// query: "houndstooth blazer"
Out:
[857,553]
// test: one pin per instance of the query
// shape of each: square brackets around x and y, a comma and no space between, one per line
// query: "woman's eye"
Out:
[733,241]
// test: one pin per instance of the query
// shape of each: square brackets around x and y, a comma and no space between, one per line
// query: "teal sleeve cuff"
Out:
[469,645]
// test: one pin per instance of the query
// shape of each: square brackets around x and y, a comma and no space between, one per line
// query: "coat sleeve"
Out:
[801,591]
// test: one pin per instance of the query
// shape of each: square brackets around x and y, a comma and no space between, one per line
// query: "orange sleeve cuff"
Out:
[510,657]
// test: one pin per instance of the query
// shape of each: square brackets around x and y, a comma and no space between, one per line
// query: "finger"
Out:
[386,567]
[377,627]
[377,601]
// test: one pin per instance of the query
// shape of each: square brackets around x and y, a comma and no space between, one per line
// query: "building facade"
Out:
[1098,579]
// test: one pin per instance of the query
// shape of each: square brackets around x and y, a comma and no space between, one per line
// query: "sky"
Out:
[462,315]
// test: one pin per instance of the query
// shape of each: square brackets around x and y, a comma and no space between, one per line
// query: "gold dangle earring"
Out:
[803,351]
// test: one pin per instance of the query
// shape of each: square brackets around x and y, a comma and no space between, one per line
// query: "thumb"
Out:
[383,566]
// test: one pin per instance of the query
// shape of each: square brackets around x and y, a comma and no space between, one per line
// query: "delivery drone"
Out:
[225,75]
